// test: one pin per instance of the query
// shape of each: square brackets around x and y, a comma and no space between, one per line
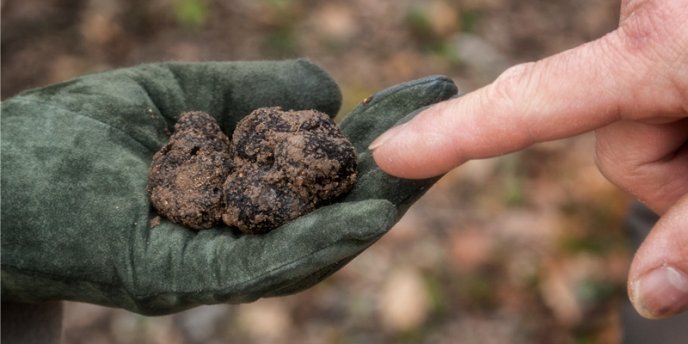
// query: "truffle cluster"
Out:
[278,166]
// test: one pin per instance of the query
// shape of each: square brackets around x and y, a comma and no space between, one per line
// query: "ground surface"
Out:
[526,248]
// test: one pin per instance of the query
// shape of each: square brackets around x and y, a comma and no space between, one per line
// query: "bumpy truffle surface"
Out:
[287,163]
[186,176]
[279,165]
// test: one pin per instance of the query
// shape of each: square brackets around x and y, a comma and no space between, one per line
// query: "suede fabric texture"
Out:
[75,213]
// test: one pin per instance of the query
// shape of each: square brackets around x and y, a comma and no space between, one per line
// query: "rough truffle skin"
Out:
[287,164]
[186,176]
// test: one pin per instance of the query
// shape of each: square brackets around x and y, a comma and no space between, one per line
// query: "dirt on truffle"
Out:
[186,175]
[287,164]
[281,165]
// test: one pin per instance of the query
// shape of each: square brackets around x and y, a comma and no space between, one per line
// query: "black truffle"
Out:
[287,164]
[186,176]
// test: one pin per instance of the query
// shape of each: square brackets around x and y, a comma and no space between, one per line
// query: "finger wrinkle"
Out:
[507,91]
[506,126]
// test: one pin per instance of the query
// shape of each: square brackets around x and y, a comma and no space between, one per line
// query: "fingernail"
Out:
[660,293]
[385,137]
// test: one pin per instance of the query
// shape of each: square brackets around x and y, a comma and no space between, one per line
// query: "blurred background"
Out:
[525,248]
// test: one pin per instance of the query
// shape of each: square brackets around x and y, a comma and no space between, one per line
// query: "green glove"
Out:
[75,212]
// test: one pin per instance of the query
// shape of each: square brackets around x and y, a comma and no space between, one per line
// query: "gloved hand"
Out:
[75,212]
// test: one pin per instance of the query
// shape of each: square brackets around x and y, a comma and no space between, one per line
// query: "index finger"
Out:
[579,90]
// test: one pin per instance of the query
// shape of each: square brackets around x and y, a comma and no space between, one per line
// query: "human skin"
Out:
[630,87]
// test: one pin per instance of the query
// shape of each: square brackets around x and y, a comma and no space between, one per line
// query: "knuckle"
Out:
[512,99]
[603,156]
[613,160]
[508,89]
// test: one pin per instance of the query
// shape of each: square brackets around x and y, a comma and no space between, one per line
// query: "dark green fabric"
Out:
[75,212]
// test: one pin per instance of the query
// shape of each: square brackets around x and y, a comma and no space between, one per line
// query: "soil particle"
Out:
[154,221]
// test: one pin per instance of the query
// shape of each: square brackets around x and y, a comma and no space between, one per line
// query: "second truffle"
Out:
[287,163]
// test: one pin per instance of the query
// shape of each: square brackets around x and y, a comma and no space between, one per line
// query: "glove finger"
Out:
[373,183]
[180,269]
[144,102]
[231,90]
[388,108]
[312,279]
[384,109]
